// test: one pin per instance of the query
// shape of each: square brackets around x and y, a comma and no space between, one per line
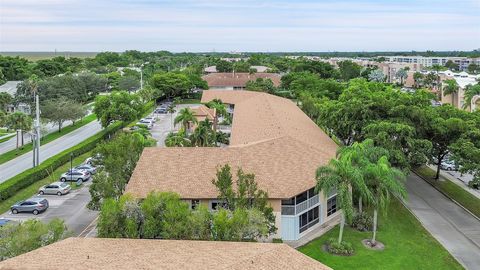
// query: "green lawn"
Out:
[407,246]
[48,138]
[6,138]
[33,189]
[457,193]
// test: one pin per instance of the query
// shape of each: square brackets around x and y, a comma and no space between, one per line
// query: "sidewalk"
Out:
[460,180]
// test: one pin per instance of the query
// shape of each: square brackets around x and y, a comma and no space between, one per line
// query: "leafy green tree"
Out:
[146,94]
[50,67]
[60,110]
[451,65]
[224,66]
[112,80]
[339,176]
[466,152]
[118,157]
[418,78]
[15,68]
[405,147]
[19,238]
[186,117]
[241,66]
[261,85]
[19,121]
[118,106]
[5,100]
[3,118]
[473,68]
[349,70]
[321,69]
[171,84]
[128,83]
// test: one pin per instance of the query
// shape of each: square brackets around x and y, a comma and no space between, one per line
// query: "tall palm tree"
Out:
[451,88]
[383,181]
[171,110]
[203,135]
[185,116]
[177,139]
[340,175]
[19,121]
[470,92]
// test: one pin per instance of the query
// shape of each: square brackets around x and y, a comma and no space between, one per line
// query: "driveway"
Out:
[164,124]
[71,208]
[24,162]
[453,227]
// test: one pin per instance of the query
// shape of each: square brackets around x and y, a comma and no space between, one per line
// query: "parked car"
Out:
[149,118]
[448,166]
[75,175]
[93,160]
[32,205]
[58,188]
[149,124]
[161,110]
[86,167]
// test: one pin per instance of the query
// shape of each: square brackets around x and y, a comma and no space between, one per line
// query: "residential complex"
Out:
[126,254]
[270,137]
[462,62]
[237,80]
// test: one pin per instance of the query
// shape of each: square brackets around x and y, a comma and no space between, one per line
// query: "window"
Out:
[216,204]
[195,204]
[308,219]
[302,197]
[332,205]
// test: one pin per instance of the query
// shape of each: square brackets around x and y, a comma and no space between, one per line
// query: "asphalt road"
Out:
[71,208]
[24,162]
[453,227]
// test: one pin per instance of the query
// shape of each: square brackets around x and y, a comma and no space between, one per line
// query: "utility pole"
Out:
[37,131]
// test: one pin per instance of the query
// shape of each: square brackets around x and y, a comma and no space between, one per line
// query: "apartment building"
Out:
[462,62]
[270,137]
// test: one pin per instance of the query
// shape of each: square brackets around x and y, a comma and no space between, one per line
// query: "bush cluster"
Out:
[344,248]
[362,222]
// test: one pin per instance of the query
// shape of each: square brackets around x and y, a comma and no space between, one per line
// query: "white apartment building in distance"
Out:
[462,62]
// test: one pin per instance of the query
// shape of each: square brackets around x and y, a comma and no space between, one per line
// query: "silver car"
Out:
[58,188]
[32,205]
[86,167]
[75,175]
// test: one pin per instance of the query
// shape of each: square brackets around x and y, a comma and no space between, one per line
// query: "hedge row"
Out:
[30,176]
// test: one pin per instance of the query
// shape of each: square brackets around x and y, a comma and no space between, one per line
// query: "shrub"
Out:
[277,240]
[362,222]
[344,248]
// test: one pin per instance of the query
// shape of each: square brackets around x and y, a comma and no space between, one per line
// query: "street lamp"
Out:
[71,162]
[141,74]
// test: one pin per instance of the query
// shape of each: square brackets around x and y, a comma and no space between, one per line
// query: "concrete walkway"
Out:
[453,227]
[315,233]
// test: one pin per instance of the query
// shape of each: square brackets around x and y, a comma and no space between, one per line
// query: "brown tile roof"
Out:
[271,137]
[203,112]
[238,79]
[119,254]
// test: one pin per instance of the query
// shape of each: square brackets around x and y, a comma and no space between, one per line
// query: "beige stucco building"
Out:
[270,137]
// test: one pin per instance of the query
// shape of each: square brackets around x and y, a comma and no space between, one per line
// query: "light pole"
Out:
[141,74]
[37,128]
[71,162]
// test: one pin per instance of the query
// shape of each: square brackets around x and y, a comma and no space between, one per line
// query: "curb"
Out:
[446,195]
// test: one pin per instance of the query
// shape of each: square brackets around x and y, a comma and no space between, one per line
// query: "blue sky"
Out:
[269,26]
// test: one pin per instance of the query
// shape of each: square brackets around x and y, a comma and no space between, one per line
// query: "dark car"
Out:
[32,205]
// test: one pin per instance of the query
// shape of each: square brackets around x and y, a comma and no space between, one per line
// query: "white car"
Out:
[145,122]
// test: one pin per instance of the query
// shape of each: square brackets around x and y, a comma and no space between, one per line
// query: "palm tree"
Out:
[418,79]
[402,74]
[383,181]
[451,88]
[185,116]
[171,110]
[177,139]
[340,175]
[203,135]
[470,93]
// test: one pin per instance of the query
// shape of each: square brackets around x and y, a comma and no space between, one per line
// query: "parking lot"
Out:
[70,207]
[164,124]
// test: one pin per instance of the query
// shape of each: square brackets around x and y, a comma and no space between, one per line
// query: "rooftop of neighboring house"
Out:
[213,69]
[119,254]
[271,137]
[238,79]
[202,112]
[9,87]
